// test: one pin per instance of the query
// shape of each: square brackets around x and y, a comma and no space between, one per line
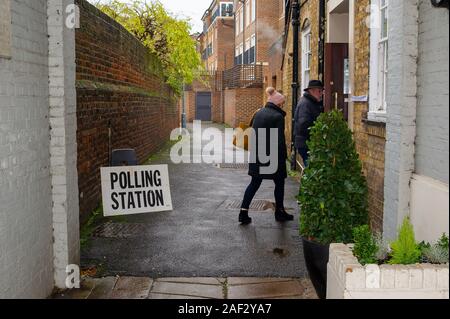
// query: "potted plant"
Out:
[373,268]
[333,194]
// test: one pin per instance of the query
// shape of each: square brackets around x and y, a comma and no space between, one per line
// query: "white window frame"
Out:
[253,18]
[241,19]
[306,57]
[253,45]
[379,44]
[236,21]
[247,13]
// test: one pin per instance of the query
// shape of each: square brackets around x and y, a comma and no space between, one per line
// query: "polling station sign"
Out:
[129,190]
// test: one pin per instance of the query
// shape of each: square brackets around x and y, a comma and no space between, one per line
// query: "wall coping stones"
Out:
[401,279]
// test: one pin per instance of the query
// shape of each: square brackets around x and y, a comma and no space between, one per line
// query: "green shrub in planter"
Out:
[333,193]
[365,248]
[405,250]
[437,253]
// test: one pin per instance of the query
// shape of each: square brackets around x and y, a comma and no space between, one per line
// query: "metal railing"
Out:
[243,76]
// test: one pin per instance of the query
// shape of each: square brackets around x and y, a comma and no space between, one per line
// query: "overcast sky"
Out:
[193,9]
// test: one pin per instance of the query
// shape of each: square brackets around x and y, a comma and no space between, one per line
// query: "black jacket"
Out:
[307,112]
[269,117]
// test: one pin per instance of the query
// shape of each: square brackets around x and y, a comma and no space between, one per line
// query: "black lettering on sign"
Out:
[138,196]
[148,179]
[136,180]
[122,197]
[131,203]
[115,202]
[160,198]
[157,175]
[114,179]
[130,184]
[123,180]
[151,198]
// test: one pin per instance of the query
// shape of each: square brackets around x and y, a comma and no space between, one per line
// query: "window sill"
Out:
[377,117]
[374,123]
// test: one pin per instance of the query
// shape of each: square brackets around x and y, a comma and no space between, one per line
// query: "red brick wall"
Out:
[118,82]
[241,104]
[267,23]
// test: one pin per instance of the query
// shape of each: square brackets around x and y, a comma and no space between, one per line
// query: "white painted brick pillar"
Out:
[401,117]
[63,146]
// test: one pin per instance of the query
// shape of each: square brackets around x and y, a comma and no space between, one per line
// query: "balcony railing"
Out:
[243,76]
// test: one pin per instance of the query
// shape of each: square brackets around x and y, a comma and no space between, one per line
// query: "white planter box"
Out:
[348,279]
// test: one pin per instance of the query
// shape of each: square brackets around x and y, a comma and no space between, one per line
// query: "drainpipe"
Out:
[183,111]
[295,84]
[322,25]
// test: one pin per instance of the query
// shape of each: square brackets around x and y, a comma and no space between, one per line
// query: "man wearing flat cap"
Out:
[306,114]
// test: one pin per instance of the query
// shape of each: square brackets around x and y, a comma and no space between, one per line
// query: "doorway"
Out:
[203,107]
[337,61]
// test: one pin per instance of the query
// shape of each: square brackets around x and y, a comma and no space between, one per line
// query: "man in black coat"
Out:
[306,114]
[268,120]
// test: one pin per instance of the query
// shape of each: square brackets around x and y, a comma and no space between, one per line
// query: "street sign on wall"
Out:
[128,190]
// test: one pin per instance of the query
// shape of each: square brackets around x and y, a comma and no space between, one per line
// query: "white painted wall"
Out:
[429,208]
[39,213]
[401,112]
[429,185]
[432,141]
[26,254]
[417,150]
[63,147]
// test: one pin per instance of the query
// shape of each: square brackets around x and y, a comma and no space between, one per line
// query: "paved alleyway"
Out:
[191,288]
[201,237]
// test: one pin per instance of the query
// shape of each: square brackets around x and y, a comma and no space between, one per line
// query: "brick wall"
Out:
[309,12]
[274,76]
[370,138]
[225,48]
[118,82]
[26,254]
[241,104]
[267,23]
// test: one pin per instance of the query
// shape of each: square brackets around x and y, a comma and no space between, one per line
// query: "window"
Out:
[236,21]
[239,54]
[226,9]
[306,57]
[241,20]
[252,58]
[247,13]
[5,29]
[379,42]
[247,52]
[253,10]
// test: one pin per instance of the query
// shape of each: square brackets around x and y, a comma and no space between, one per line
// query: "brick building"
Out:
[257,29]
[378,70]
[204,99]
[274,75]
[216,40]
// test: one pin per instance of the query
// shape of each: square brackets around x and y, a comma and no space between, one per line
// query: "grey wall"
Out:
[26,254]
[432,141]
